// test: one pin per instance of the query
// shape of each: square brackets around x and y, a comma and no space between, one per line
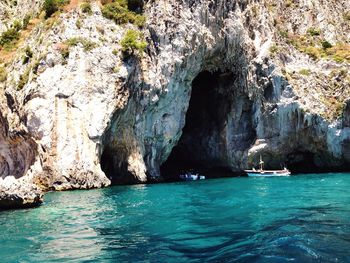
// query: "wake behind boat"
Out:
[267,173]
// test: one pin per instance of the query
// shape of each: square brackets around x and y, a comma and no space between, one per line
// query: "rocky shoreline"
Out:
[19,194]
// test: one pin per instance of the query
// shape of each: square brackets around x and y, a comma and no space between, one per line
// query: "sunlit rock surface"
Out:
[209,91]
[18,193]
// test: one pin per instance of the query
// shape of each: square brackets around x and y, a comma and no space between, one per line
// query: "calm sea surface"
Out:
[304,218]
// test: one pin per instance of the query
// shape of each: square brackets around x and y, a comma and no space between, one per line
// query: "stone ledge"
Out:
[18,194]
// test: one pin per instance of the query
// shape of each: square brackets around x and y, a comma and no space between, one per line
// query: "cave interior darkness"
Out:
[209,106]
[109,165]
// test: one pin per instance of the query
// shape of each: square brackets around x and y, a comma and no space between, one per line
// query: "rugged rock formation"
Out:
[17,155]
[11,10]
[219,84]
[18,193]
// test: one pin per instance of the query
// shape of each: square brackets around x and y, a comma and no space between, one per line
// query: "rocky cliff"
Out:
[219,84]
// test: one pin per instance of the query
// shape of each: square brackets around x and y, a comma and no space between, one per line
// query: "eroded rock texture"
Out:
[208,92]
[18,150]
[11,11]
[19,193]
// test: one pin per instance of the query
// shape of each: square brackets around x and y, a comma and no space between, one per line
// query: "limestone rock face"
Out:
[209,91]
[17,150]
[18,194]
[17,10]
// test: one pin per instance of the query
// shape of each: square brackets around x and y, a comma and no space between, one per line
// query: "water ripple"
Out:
[299,219]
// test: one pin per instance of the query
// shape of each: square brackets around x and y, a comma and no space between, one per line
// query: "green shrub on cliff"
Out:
[325,44]
[138,20]
[86,8]
[116,12]
[23,79]
[120,13]
[9,37]
[273,49]
[52,6]
[314,31]
[313,52]
[25,21]
[317,47]
[305,72]
[17,25]
[79,23]
[339,53]
[86,43]
[131,42]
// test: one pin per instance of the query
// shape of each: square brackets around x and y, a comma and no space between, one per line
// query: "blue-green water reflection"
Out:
[303,218]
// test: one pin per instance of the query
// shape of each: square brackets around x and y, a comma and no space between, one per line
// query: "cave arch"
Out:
[114,165]
[218,123]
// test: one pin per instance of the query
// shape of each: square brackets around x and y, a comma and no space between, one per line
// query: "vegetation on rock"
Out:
[23,79]
[86,8]
[305,72]
[86,43]
[78,23]
[25,21]
[273,49]
[119,12]
[325,44]
[330,90]
[317,47]
[52,6]
[17,25]
[10,36]
[314,31]
[131,42]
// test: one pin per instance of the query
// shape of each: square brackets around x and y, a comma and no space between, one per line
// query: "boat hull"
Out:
[268,173]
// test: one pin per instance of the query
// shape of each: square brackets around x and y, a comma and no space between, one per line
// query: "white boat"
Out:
[267,173]
[191,177]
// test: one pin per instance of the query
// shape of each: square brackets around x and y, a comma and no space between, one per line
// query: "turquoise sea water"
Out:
[304,218]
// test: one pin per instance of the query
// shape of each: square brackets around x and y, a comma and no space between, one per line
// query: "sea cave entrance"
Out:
[115,167]
[203,145]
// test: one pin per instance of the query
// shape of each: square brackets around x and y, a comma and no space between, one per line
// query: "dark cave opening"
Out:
[309,162]
[106,161]
[114,168]
[202,146]
[302,162]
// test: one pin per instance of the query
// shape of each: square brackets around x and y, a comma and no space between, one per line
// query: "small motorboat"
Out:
[266,173]
[191,177]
